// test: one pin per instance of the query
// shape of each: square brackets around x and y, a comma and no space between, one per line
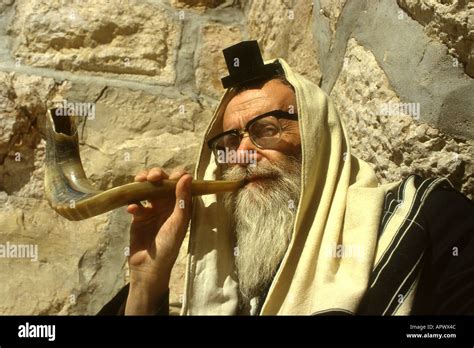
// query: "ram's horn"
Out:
[71,194]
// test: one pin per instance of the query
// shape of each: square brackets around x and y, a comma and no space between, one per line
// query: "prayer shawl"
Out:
[340,209]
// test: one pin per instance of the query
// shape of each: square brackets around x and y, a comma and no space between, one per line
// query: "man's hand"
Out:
[156,235]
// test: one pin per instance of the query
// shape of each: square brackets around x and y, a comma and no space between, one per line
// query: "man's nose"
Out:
[248,150]
[246,144]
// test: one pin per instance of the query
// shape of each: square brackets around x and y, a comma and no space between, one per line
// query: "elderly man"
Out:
[312,232]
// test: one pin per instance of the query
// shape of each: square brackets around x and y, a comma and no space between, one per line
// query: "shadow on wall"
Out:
[456,114]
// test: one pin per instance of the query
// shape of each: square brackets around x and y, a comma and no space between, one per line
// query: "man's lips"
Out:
[253,178]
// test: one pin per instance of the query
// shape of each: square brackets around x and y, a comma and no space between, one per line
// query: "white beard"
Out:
[264,214]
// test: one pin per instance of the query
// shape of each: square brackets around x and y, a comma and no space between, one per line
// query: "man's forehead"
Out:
[253,102]
[247,103]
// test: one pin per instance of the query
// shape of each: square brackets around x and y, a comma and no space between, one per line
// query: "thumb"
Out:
[182,208]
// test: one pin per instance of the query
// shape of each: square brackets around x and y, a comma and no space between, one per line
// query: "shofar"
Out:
[72,195]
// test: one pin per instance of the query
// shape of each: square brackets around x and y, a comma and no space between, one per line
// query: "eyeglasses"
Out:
[264,131]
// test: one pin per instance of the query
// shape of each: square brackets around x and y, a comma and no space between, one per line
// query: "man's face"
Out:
[274,95]
[263,210]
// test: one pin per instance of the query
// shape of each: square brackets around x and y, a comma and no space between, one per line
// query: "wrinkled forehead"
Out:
[250,103]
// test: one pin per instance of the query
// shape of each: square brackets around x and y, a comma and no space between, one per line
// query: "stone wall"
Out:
[152,69]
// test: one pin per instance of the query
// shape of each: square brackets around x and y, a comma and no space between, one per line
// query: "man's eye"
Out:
[265,130]
[219,147]
[231,141]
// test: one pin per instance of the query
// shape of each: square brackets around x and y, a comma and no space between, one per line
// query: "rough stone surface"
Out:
[136,40]
[397,145]
[283,29]
[451,22]
[21,118]
[154,79]
[332,11]
[419,68]
[4,5]
[211,65]
[199,4]
[77,266]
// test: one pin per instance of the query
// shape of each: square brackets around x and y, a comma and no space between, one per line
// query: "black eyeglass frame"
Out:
[278,114]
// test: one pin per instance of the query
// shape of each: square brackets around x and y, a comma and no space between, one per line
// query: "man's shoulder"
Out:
[425,185]
[446,199]
[429,197]
[440,204]
[425,223]
[413,199]
[446,284]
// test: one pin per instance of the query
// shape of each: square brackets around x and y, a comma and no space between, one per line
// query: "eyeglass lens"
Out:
[264,133]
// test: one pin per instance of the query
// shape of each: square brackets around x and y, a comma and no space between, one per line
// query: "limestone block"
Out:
[211,67]
[394,141]
[451,22]
[283,29]
[134,40]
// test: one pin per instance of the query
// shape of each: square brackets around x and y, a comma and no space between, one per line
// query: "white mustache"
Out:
[266,170]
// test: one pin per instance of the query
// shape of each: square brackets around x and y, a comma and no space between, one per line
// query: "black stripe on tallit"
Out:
[395,276]
[390,199]
[392,202]
[404,290]
[421,189]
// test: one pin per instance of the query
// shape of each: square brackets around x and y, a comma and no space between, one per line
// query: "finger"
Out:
[139,213]
[183,198]
[156,174]
[141,176]
[135,209]
[177,174]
